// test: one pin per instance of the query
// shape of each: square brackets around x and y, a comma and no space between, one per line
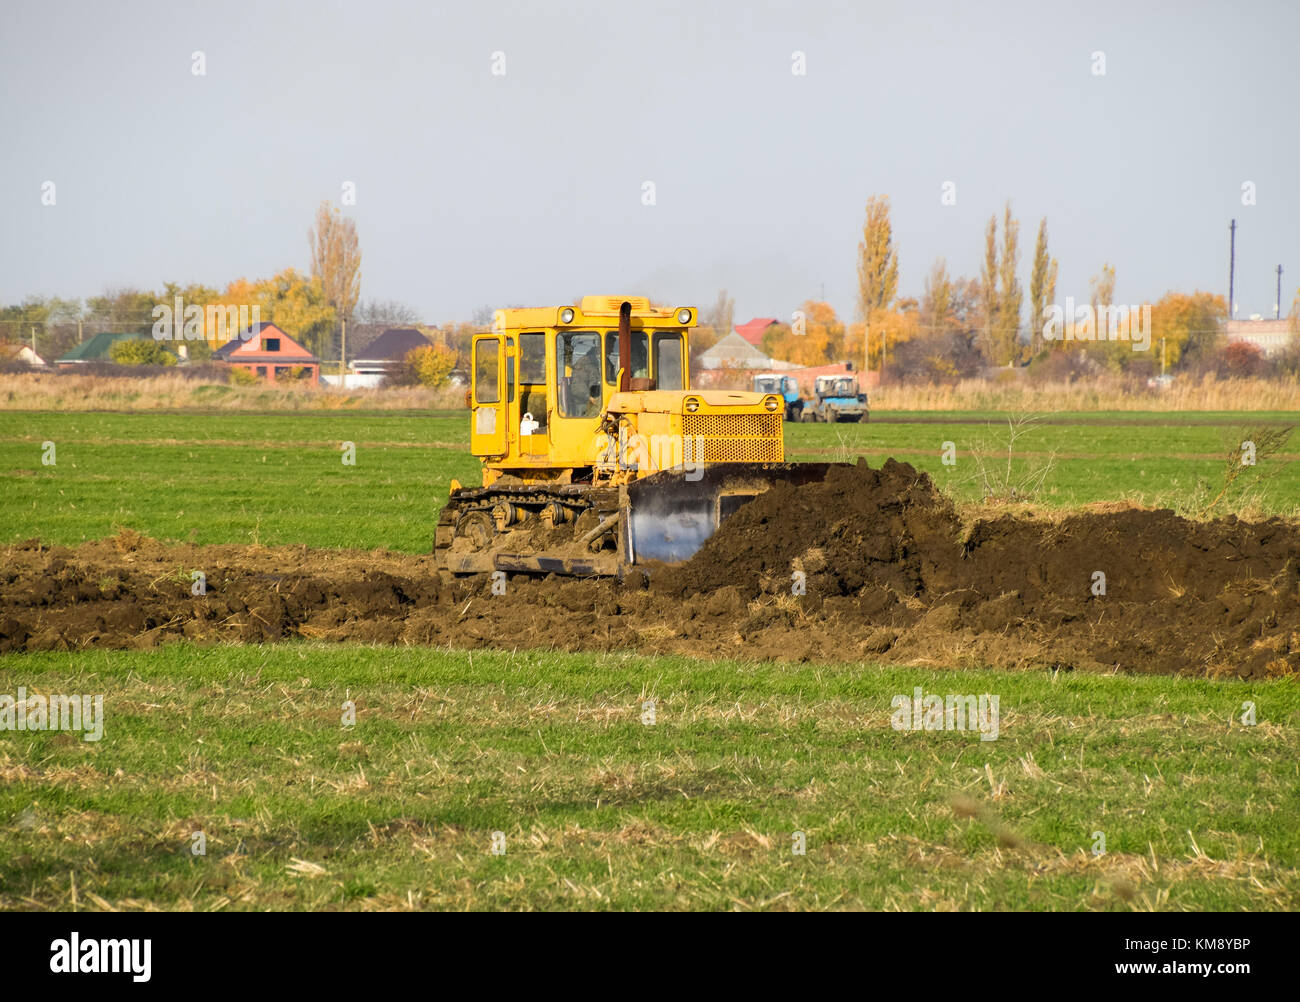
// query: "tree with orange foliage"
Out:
[814,338]
[290,300]
[1190,326]
[891,328]
[877,259]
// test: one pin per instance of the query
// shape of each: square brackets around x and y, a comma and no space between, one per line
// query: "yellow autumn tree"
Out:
[877,259]
[430,365]
[887,329]
[1189,325]
[814,338]
[293,302]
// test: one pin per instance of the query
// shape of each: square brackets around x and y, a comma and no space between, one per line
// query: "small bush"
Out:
[428,365]
[141,352]
[1241,360]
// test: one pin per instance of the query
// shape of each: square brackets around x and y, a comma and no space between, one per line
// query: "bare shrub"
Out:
[996,475]
[1247,468]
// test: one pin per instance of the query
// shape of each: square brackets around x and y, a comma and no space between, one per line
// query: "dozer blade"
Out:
[671,514]
[532,563]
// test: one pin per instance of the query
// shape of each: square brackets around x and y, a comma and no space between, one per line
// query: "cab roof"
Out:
[596,311]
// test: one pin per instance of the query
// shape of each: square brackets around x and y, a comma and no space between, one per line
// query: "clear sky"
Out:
[477,189]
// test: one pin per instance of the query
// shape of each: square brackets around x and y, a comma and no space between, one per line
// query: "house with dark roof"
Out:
[385,353]
[98,349]
[268,352]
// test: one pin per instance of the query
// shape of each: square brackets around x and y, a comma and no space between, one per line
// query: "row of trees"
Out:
[961,325]
[311,308]
[955,328]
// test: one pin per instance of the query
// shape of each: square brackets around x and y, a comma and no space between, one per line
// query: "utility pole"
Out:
[1277,303]
[78,330]
[1232,266]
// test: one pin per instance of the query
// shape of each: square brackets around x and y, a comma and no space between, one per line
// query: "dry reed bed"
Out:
[1206,394]
[44,391]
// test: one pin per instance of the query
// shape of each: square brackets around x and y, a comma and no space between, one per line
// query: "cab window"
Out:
[640,356]
[532,358]
[577,372]
[486,390]
[532,378]
[668,362]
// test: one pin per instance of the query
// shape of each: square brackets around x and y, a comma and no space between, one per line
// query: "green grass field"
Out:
[279,478]
[601,810]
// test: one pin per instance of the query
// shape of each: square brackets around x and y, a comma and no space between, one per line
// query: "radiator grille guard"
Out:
[732,438]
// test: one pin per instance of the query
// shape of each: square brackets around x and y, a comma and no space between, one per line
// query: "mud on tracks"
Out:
[892,573]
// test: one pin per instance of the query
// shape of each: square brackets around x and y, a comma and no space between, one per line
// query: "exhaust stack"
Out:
[624,347]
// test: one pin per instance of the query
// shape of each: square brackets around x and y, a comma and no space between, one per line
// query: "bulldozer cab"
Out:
[542,379]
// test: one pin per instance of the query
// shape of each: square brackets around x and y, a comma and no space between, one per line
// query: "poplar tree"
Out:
[989,289]
[1042,287]
[1010,295]
[877,260]
[937,301]
[336,259]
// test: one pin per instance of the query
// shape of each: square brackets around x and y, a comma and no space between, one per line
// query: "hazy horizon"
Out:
[475,189]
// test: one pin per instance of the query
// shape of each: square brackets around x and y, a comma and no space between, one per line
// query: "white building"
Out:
[734,352]
[13,352]
[1271,337]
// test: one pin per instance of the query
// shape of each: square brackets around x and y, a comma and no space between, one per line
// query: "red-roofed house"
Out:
[269,352]
[753,330]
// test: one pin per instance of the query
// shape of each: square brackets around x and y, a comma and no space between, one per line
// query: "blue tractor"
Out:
[774,382]
[837,399]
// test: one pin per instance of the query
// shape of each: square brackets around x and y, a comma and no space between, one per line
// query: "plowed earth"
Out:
[891,570]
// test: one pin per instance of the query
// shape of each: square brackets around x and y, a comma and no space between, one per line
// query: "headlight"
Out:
[566,315]
[692,405]
[771,403]
[683,316]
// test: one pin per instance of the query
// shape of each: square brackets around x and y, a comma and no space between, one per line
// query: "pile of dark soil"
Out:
[891,572]
[860,528]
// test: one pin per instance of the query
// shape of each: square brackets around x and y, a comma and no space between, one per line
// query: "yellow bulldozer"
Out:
[598,456]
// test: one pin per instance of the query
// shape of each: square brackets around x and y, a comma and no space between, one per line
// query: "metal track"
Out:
[478,515]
